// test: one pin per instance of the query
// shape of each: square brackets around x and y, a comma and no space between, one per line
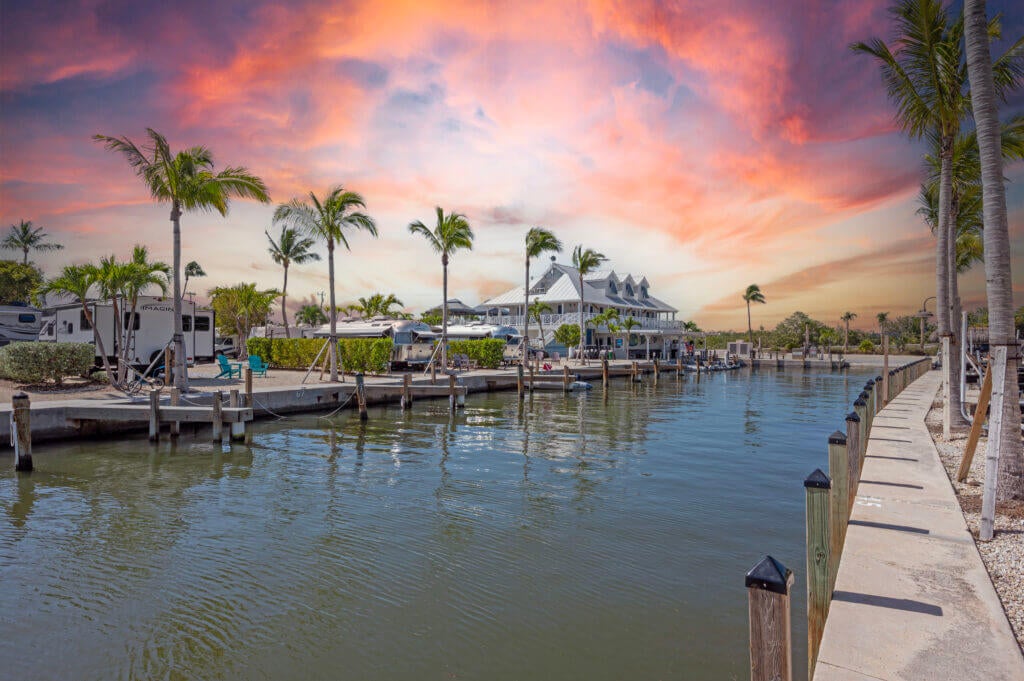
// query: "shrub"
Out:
[866,346]
[39,361]
[568,335]
[486,352]
[368,355]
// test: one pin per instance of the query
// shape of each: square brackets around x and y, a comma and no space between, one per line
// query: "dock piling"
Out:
[604,373]
[853,456]
[154,415]
[175,401]
[771,653]
[657,370]
[248,388]
[519,382]
[218,422]
[819,578]
[566,379]
[839,510]
[451,392]
[407,391]
[361,396]
[433,373]
[21,421]
[237,427]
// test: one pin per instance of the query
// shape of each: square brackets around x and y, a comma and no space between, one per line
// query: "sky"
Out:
[705,144]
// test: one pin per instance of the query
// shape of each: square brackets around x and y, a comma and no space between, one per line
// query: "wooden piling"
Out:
[604,373]
[407,391]
[433,373]
[566,379]
[853,458]
[167,365]
[657,370]
[771,651]
[175,401]
[237,427]
[635,371]
[361,396]
[839,510]
[218,421]
[886,395]
[21,409]
[979,420]
[819,579]
[248,388]
[451,391]
[154,415]
[520,388]
[860,406]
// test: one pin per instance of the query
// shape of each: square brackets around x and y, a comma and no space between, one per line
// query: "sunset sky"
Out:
[707,145]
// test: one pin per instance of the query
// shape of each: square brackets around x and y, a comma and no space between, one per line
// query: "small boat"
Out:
[580,386]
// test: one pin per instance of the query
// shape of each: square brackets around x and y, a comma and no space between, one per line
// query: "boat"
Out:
[19,322]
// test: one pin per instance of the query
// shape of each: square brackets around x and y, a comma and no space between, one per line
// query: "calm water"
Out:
[572,538]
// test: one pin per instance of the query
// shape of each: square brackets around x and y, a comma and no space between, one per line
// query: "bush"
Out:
[568,335]
[39,361]
[486,352]
[866,346]
[369,355]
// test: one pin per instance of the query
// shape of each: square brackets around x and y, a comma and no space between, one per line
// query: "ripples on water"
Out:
[570,538]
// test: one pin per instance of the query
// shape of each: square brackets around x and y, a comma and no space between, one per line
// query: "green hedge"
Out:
[39,361]
[369,355]
[488,353]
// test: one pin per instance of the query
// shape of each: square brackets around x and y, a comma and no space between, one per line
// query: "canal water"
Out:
[576,537]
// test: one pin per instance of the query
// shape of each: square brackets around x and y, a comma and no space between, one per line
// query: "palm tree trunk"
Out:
[1004,442]
[444,311]
[284,301]
[526,313]
[334,312]
[180,361]
[99,341]
[24,260]
[958,420]
[846,338]
[942,307]
[583,329]
[750,328]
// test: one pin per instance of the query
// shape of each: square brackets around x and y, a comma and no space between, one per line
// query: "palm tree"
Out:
[538,308]
[378,305]
[606,318]
[1004,445]
[883,320]
[310,315]
[25,237]
[138,276]
[243,306]
[753,294]
[193,270]
[538,241]
[585,261]
[290,247]
[187,181]
[75,282]
[328,220]
[628,325]
[451,233]
[847,318]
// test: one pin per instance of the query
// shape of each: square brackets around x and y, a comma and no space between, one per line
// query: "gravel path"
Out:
[1004,555]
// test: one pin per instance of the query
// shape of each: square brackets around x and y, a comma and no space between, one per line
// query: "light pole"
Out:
[924,314]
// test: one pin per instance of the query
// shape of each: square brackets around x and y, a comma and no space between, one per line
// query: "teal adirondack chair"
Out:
[228,369]
[257,366]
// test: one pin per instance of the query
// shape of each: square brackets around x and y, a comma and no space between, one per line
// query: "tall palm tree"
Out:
[25,237]
[291,247]
[585,260]
[847,318]
[187,181]
[628,325]
[139,275]
[193,270]
[378,305]
[310,315]
[75,282]
[753,294]
[607,318]
[539,308]
[1005,445]
[451,233]
[883,320]
[538,242]
[329,220]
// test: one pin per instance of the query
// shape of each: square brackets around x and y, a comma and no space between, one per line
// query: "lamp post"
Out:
[923,315]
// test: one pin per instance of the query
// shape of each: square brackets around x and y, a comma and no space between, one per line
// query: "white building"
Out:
[657,335]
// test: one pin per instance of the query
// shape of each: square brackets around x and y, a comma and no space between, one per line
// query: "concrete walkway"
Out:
[913,599]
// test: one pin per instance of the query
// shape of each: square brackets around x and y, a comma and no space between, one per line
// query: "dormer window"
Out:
[612,287]
[643,291]
[629,290]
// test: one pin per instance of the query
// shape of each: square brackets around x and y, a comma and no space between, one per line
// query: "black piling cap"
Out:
[878,379]
[852,416]
[863,395]
[769,575]
[818,480]
[870,382]
[837,438]
[20,396]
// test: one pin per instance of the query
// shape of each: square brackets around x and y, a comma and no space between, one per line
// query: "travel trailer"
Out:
[153,328]
[476,331]
[19,323]
[413,341]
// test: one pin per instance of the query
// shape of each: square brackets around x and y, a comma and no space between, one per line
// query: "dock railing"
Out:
[830,499]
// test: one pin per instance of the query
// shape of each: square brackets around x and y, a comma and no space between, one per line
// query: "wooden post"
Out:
[839,467]
[519,382]
[248,388]
[407,391]
[361,396]
[636,371]
[886,395]
[175,401]
[237,427]
[657,370]
[869,388]
[771,652]
[1000,391]
[154,415]
[819,583]
[433,373]
[604,373]
[532,384]
[679,365]
[218,422]
[852,458]
[21,409]
[860,406]
[879,397]
[979,420]
[168,380]
[451,391]
[565,378]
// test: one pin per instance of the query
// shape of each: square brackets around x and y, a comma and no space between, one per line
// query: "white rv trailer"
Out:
[413,341]
[153,328]
[479,330]
[19,323]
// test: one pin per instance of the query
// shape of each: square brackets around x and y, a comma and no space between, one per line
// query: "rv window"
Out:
[26,318]
[186,322]
[83,323]
[202,323]
[128,321]
[403,338]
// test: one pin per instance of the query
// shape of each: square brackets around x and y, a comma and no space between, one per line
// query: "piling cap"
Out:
[860,402]
[870,382]
[852,417]
[878,379]
[20,396]
[770,575]
[837,438]
[863,395]
[818,480]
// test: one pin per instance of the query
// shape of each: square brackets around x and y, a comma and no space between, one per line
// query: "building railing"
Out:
[556,320]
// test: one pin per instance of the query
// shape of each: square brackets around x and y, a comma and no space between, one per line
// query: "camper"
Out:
[413,341]
[19,322]
[478,330]
[153,328]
